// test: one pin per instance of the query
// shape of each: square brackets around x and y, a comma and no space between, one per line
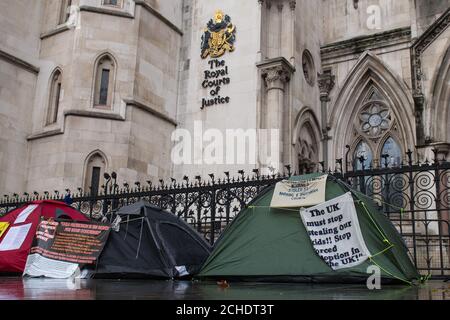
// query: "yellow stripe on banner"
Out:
[3,227]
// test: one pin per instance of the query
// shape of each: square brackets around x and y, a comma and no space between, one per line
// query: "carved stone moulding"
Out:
[276,72]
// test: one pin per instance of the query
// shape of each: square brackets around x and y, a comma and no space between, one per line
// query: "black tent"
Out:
[151,243]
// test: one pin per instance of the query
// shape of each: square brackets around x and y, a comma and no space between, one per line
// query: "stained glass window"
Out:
[393,151]
[375,119]
[362,152]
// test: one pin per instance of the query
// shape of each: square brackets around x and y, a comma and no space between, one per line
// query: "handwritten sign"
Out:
[334,230]
[302,193]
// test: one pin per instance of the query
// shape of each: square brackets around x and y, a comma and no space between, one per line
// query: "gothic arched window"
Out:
[54,97]
[104,81]
[375,134]
[392,152]
[95,167]
[64,11]
[116,3]
[307,146]
[362,156]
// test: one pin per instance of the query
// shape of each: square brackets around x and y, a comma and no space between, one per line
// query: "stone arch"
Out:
[440,115]
[370,72]
[95,165]
[306,141]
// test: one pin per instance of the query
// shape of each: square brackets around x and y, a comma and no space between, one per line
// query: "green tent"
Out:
[270,244]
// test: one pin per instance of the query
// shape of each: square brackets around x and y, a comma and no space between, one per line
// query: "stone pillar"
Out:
[326,84]
[287,36]
[274,11]
[419,101]
[276,74]
[278,28]
[292,5]
[262,21]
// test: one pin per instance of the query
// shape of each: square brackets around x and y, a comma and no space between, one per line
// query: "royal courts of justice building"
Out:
[94,86]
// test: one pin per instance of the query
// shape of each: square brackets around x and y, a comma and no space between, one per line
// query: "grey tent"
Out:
[151,243]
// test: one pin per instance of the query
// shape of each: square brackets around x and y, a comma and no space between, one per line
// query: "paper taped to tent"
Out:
[150,243]
[299,193]
[18,228]
[334,241]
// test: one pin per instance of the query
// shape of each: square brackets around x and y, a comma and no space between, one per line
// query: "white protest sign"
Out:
[15,237]
[334,230]
[301,193]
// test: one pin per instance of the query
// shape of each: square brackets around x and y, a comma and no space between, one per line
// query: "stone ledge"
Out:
[94,114]
[57,30]
[138,104]
[103,115]
[45,134]
[107,11]
[363,43]
[18,62]
[279,61]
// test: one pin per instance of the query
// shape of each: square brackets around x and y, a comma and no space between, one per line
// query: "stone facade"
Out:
[142,38]
[369,74]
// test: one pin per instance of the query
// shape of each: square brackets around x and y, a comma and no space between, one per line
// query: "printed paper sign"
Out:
[25,213]
[15,237]
[302,193]
[38,266]
[334,230]
[60,247]
[3,227]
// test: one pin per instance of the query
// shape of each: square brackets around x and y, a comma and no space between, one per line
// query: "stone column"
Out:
[276,74]
[419,101]
[287,36]
[326,84]
[292,5]
[262,22]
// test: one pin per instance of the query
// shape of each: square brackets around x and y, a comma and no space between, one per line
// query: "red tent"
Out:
[21,225]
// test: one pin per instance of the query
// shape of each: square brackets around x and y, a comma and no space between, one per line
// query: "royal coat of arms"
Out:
[219,36]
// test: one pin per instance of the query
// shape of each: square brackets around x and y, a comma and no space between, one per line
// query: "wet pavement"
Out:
[96,289]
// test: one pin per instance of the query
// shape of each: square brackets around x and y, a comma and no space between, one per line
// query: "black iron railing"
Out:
[414,195]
